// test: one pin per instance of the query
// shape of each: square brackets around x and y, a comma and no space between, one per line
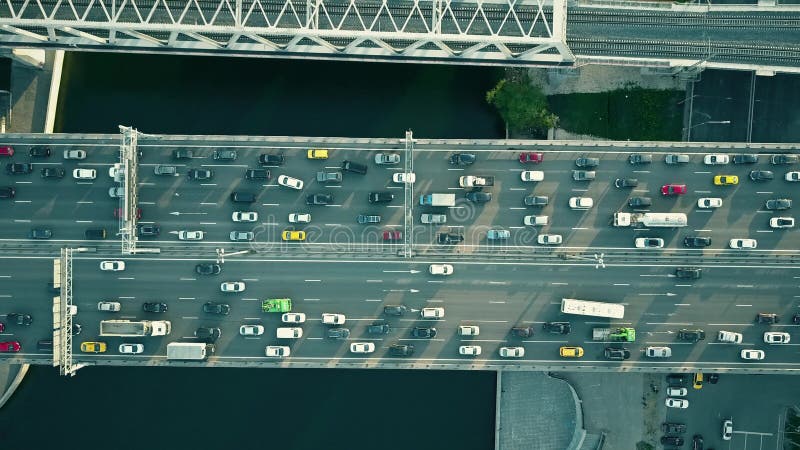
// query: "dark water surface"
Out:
[174,408]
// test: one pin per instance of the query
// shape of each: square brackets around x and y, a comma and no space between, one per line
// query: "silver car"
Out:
[433,218]
[658,352]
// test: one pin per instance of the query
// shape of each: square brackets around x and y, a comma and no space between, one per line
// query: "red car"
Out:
[5,150]
[673,189]
[118,213]
[2,327]
[531,157]
[392,235]
[9,347]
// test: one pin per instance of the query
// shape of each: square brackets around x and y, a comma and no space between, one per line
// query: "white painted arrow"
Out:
[401,271]
[176,213]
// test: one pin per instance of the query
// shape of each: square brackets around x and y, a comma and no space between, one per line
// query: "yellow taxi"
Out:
[698,380]
[293,235]
[317,153]
[726,180]
[93,347]
[570,352]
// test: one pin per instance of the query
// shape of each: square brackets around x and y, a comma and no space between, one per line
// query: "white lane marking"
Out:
[310,299]
[498,302]
[702,172]
[498,282]
[703,210]
[373,300]
[204,203]
[374,281]
[517,189]
[764,231]
[702,192]
[435,281]
[641,171]
[85,203]
[83,221]
[208,184]
[309,281]
[515,207]
[579,190]
[683,285]
[702,231]
[332,224]
[745,305]
[126,278]
[187,279]
[621,284]
[558,283]
[763,192]
[22,220]
[270,204]
[186,298]
[208,223]
[579,228]
[744,285]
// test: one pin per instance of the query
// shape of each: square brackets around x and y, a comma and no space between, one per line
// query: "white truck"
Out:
[128,328]
[469,181]
[438,200]
[196,351]
[592,308]
[650,220]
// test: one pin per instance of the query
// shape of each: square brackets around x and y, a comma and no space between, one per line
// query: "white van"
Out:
[730,337]
[289,333]
[468,330]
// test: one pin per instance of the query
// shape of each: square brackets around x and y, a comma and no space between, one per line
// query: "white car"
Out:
[294,183]
[581,202]
[115,171]
[84,174]
[512,352]
[291,317]
[743,243]
[549,239]
[727,430]
[299,218]
[131,349]
[109,306]
[776,337]
[74,154]
[333,318]
[755,355]
[658,352]
[277,351]
[116,192]
[432,313]
[677,392]
[716,159]
[781,222]
[401,178]
[114,266]
[469,330]
[184,235]
[244,216]
[709,202]
[251,330]
[362,347]
[680,403]
[440,269]
[531,175]
[469,350]
[387,158]
[535,221]
[792,176]
[232,286]
[645,242]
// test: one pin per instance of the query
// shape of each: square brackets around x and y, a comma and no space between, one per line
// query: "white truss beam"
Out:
[514,32]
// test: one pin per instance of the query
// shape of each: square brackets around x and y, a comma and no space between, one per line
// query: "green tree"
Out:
[522,105]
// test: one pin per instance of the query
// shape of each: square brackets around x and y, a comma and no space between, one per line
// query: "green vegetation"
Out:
[641,445]
[624,114]
[792,428]
[522,105]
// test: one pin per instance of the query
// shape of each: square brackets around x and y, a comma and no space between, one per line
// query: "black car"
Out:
[462,159]
[7,192]
[76,329]
[380,197]
[691,335]
[19,168]
[688,273]
[585,161]
[257,174]
[784,159]
[479,197]
[53,172]
[676,379]
[354,167]
[673,428]
[522,332]
[225,155]
[394,310]
[640,158]
[208,269]
[243,197]
[401,349]
[222,309]
[208,334]
[761,175]
[182,154]
[39,151]
[745,159]
[536,200]
[767,318]
[19,319]
[148,230]
[449,238]
[379,327]
[713,378]
[95,233]
[154,307]
[696,241]
[423,332]
[640,202]
[697,442]
[271,160]
[319,199]
[626,182]
[672,440]
[40,233]
[338,333]
[616,353]
[796,318]
[200,174]
[778,204]
[557,327]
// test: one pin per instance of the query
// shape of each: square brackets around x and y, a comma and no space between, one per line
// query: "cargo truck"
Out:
[469,181]
[195,351]
[128,328]
[438,200]
[650,220]
[276,305]
[614,334]
[592,308]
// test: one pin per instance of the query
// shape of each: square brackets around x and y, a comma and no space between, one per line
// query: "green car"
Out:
[276,305]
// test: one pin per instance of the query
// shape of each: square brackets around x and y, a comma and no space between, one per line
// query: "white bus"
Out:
[590,308]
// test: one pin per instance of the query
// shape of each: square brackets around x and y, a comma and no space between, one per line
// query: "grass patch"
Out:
[624,114]
[642,445]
